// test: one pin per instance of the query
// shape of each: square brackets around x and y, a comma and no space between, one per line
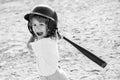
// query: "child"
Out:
[42,24]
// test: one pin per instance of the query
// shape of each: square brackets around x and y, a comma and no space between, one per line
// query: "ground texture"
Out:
[92,24]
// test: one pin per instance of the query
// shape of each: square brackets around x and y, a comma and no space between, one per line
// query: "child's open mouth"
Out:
[39,33]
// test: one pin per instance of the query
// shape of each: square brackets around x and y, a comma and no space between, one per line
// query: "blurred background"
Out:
[92,24]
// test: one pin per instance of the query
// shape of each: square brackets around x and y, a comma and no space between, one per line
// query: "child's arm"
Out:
[30,40]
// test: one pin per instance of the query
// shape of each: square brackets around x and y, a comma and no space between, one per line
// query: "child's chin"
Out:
[40,37]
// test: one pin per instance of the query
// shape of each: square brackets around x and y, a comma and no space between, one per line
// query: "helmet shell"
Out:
[44,11]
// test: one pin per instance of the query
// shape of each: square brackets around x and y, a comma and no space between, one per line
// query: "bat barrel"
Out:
[90,55]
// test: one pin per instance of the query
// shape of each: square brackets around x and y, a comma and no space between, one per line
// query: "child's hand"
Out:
[29,46]
[29,42]
[59,35]
[32,39]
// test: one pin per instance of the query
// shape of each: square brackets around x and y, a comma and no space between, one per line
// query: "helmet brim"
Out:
[26,17]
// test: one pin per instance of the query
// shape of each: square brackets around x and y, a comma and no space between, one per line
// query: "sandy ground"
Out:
[93,24]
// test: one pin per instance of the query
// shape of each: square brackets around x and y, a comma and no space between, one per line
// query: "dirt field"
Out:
[92,24]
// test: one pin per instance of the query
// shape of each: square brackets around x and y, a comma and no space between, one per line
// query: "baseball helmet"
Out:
[43,11]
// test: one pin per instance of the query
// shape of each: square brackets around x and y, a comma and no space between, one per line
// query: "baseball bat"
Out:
[90,55]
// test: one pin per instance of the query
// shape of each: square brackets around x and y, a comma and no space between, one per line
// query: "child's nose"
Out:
[38,29]
[37,26]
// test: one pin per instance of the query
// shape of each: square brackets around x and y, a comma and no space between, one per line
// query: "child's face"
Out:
[39,27]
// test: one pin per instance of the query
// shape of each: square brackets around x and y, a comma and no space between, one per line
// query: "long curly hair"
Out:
[52,30]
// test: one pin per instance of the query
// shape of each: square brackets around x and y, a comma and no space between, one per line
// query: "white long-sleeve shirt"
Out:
[46,51]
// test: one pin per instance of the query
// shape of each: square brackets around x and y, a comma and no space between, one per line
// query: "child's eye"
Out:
[33,24]
[41,24]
